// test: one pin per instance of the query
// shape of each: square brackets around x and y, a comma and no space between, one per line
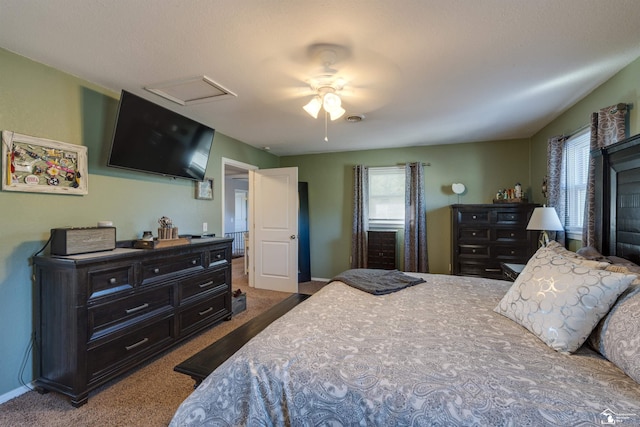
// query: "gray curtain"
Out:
[607,127]
[360,216]
[415,217]
[556,181]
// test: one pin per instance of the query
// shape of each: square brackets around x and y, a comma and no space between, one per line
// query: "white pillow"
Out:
[560,301]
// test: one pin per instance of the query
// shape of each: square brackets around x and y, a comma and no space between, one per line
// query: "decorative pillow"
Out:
[561,250]
[574,257]
[617,336]
[559,301]
[589,252]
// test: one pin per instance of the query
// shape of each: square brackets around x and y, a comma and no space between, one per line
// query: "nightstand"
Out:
[511,271]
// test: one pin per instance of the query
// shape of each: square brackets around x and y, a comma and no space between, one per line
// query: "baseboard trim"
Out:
[320,279]
[16,392]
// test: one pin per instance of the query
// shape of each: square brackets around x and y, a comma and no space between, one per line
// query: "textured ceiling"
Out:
[421,71]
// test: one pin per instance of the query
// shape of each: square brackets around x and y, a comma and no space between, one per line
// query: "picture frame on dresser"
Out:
[38,165]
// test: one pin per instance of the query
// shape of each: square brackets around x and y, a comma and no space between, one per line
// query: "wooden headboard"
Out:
[617,194]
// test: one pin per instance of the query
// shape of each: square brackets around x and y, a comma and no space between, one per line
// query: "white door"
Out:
[274,247]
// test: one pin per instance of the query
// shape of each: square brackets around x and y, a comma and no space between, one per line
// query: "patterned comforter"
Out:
[432,354]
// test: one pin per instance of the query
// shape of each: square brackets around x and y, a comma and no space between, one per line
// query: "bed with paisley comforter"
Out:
[437,353]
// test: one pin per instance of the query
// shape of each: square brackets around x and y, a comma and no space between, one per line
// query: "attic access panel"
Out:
[195,90]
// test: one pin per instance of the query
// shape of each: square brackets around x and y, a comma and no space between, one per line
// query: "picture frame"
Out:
[38,165]
[204,189]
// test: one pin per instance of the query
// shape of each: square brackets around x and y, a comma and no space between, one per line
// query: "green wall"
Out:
[484,167]
[40,101]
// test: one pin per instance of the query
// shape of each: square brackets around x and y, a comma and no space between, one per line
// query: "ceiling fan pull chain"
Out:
[326,138]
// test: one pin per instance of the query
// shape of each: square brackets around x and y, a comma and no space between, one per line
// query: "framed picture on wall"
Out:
[38,165]
[204,189]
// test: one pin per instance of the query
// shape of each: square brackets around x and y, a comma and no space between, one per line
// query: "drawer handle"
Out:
[138,344]
[492,270]
[156,270]
[473,251]
[513,252]
[208,310]
[113,281]
[218,256]
[194,262]
[475,217]
[138,308]
[513,234]
[204,285]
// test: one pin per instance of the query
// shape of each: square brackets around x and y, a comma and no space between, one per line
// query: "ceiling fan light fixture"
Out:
[331,101]
[336,113]
[313,107]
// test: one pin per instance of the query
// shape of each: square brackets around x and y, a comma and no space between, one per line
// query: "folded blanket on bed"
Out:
[377,282]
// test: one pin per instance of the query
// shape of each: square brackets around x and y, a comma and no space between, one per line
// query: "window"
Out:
[577,169]
[386,197]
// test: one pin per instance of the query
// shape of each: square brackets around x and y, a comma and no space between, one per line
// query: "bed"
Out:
[452,350]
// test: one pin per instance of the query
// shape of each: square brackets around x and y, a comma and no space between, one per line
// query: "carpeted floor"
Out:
[149,395]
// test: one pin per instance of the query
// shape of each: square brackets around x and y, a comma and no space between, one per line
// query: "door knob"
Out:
[292,237]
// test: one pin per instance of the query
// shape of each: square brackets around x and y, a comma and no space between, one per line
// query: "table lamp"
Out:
[544,219]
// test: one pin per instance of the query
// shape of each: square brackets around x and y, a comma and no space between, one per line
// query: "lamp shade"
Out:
[545,218]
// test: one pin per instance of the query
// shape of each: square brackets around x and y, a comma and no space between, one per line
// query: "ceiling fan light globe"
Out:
[313,107]
[331,101]
[336,113]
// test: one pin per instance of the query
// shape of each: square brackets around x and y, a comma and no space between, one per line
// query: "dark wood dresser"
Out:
[485,235]
[100,315]
[381,249]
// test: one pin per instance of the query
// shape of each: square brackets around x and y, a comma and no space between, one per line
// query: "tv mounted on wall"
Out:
[151,138]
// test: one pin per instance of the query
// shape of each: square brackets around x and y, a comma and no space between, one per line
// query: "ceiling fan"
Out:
[327,86]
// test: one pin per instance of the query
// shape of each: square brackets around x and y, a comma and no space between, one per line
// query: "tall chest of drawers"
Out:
[483,235]
[381,249]
[99,315]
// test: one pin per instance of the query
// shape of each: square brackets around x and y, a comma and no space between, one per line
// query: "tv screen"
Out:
[150,138]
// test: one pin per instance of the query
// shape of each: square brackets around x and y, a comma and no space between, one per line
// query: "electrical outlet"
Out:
[205,227]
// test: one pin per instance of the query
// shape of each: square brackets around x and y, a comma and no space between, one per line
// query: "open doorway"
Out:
[235,212]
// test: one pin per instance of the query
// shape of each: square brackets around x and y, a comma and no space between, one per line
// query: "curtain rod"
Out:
[580,129]
[397,165]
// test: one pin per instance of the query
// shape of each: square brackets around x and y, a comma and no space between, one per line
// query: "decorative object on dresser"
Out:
[381,249]
[510,195]
[543,219]
[458,188]
[100,315]
[484,235]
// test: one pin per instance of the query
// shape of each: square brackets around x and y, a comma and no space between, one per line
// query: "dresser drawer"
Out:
[473,234]
[520,252]
[103,282]
[511,217]
[474,250]
[219,255]
[474,217]
[490,270]
[201,284]
[204,312]
[111,315]
[137,344]
[511,234]
[157,268]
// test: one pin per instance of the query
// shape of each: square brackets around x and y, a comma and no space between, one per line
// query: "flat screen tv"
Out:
[151,138]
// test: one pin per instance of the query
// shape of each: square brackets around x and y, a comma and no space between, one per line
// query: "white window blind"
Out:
[386,196]
[577,168]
